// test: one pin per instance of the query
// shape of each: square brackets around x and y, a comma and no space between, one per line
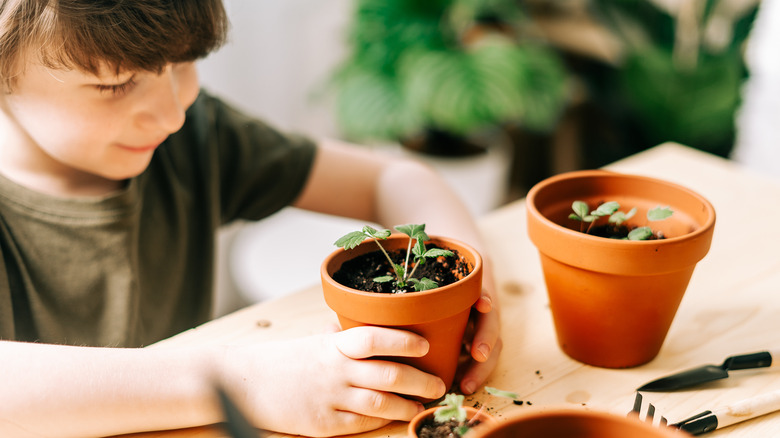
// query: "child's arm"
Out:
[311,386]
[351,181]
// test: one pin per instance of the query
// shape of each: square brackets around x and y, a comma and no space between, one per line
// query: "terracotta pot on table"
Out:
[613,301]
[567,422]
[440,315]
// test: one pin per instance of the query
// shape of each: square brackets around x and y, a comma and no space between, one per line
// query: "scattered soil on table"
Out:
[429,428]
[359,273]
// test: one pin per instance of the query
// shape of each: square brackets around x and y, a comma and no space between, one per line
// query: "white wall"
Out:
[278,53]
[758,122]
[277,56]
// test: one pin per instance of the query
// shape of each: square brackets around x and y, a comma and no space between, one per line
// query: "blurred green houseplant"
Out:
[450,68]
[681,70]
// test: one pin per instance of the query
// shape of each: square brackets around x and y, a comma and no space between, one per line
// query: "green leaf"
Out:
[422,236]
[418,249]
[574,217]
[399,270]
[605,209]
[461,430]
[351,240]
[438,252]
[641,233]
[423,284]
[412,230]
[379,234]
[383,279]
[451,409]
[659,213]
[619,217]
[501,393]
[580,209]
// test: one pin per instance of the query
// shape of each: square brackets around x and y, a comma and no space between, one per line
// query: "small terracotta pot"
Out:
[613,301]
[485,419]
[439,315]
[571,423]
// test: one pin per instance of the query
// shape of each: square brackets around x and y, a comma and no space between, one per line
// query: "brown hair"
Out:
[120,34]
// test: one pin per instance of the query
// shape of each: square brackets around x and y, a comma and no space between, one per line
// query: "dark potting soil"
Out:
[359,273]
[612,231]
[430,428]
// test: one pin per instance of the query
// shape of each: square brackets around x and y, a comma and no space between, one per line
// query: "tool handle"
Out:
[749,408]
[762,359]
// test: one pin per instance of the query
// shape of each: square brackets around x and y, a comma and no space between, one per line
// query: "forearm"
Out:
[410,192]
[413,193]
[51,390]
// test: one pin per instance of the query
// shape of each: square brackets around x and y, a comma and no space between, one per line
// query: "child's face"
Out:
[62,124]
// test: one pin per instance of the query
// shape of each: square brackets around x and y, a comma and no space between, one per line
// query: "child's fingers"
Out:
[379,404]
[398,378]
[331,328]
[485,303]
[478,372]
[487,331]
[350,422]
[364,342]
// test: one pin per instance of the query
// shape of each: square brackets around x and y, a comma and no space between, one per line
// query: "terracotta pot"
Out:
[571,423]
[485,419]
[440,315]
[613,301]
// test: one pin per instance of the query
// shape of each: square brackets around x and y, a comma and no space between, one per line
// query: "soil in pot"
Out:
[612,231]
[430,428]
[359,273]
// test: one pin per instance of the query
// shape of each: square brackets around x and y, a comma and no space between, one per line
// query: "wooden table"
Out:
[732,306]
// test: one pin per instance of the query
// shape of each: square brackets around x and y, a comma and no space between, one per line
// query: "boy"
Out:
[115,173]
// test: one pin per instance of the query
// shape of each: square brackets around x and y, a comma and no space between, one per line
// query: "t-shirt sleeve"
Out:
[253,169]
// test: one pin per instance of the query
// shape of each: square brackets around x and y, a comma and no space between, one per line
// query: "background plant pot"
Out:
[440,315]
[613,301]
[484,418]
[571,423]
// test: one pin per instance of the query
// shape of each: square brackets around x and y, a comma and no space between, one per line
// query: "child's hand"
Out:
[482,341]
[324,385]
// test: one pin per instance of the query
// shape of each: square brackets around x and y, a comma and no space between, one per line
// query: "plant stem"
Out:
[411,274]
[474,418]
[406,262]
[386,255]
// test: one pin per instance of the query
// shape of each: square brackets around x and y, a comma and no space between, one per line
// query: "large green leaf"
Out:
[690,106]
[494,83]
[370,105]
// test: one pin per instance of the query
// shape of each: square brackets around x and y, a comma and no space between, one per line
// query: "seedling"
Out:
[616,217]
[501,393]
[402,276]
[452,409]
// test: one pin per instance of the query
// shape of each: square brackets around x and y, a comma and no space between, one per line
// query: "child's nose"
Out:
[166,108]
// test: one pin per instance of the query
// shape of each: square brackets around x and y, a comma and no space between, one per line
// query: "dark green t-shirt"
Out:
[137,266]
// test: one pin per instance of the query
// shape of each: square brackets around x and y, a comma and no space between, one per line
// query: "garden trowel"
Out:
[708,373]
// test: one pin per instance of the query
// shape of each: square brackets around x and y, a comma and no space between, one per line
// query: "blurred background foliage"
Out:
[446,66]
[680,71]
[576,83]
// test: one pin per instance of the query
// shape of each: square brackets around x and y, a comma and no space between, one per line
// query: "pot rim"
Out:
[622,257]
[534,192]
[326,275]
[402,309]
[555,411]
[485,417]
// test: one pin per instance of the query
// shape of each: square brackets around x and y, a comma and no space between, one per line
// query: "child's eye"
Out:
[117,89]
